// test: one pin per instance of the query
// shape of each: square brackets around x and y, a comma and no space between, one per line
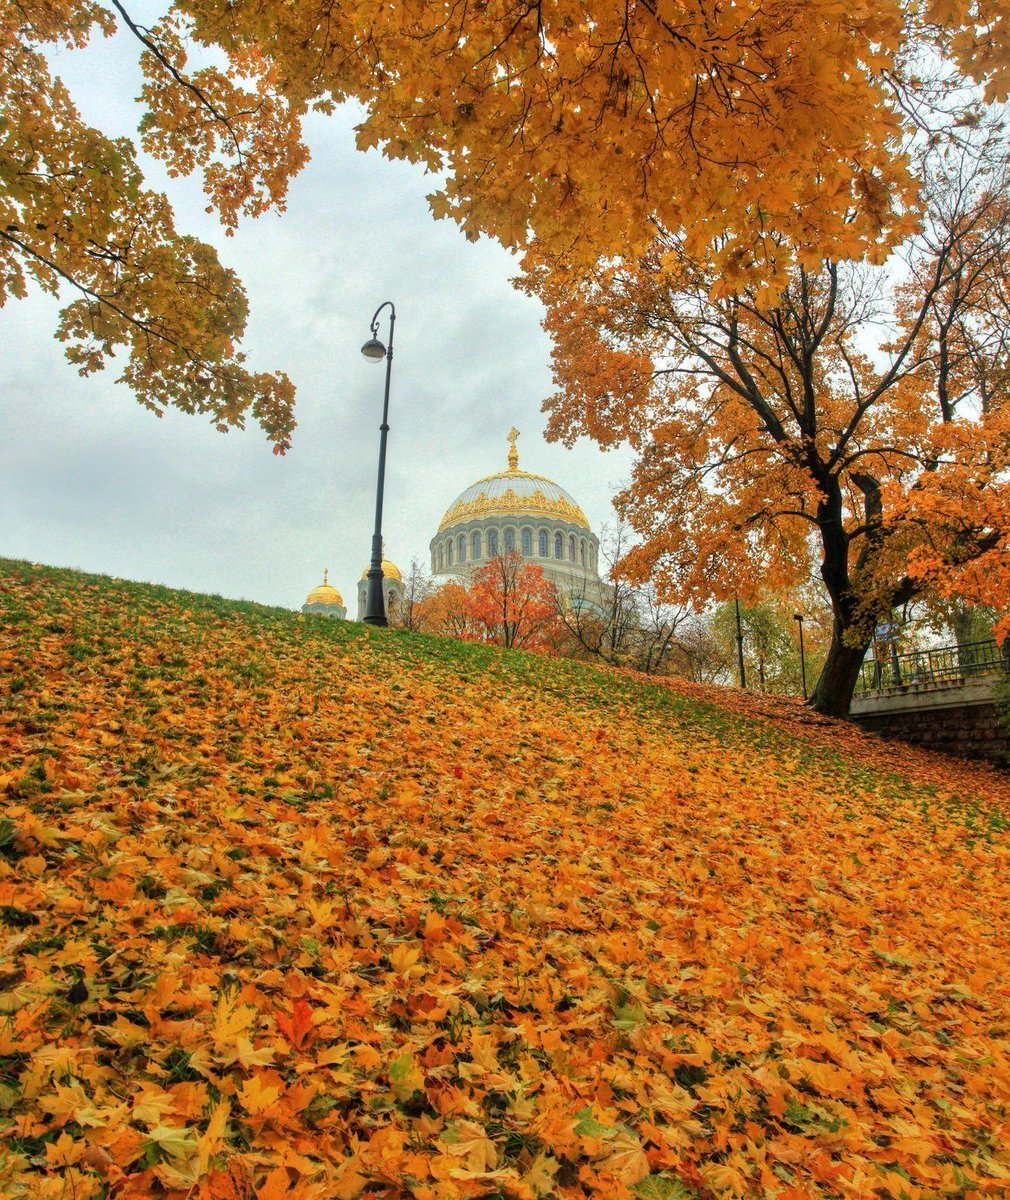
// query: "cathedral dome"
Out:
[389,571]
[514,493]
[530,515]
[324,593]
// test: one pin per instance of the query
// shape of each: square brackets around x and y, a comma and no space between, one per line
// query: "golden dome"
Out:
[514,493]
[389,571]
[324,594]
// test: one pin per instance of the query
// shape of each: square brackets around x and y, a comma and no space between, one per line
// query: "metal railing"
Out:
[886,668]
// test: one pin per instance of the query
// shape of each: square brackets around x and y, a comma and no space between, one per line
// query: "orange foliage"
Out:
[77,218]
[574,128]
[580,127]
[776,438]
[445,611]
[293,907]
[506,602]
[511,603]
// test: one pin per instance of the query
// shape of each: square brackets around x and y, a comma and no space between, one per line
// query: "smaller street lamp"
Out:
[798,617]
[375,351]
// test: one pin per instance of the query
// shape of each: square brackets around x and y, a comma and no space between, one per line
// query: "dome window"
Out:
[448,553]
[542,543]
[559,546]
[510,540]
[475,546]
[462,547]
[571,547]
[492,543]
[528,543]
[582,551]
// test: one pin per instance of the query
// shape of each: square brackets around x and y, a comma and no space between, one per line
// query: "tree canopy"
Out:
[567,128]
[507,601]
[77,219]
[575,127]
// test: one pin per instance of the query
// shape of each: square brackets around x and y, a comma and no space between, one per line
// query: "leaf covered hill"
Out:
[293,907]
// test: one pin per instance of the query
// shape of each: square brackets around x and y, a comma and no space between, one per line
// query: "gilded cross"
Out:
[513,452]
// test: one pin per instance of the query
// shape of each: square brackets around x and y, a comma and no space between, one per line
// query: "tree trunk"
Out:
[832,693]
[961,624]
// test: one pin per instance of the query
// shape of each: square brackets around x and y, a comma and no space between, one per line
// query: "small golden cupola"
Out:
[389,571]
[392,589]
[325,600]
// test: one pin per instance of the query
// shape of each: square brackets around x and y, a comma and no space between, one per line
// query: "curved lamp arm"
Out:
[392,317]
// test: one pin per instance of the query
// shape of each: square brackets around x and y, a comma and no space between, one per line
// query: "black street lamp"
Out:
[375,351]
[803,661]
[739,643]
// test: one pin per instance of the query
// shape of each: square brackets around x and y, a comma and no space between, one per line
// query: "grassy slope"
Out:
[353,912]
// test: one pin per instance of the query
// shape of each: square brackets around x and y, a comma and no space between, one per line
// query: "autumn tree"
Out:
[771,640]
[825,423]
[445,610]
[567,130]
[417,588]
[700,654]
[511,603]
[620,624]
[77,219]
[599,625]
[575,128]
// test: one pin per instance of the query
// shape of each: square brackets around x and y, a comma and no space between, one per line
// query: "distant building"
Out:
[325,600]
[392,589]
[517,510]
[511,510]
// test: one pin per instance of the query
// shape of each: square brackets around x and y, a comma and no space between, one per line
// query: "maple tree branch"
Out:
[534,5]
[774,364]
[148,329]
[90,293]
[753,393]
[220,117]
[894,371]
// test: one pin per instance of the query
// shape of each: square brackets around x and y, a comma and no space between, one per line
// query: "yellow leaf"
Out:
[210,1141]
[625,1159]
[178,1144]
[468,1141]
[404,1077]
[540,1177]
[256,1097]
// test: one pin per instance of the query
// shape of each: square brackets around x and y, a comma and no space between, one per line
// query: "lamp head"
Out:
[798,617]
[374,350]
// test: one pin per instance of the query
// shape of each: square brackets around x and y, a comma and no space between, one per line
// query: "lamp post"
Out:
[798,617]
[739,643]
[375,351]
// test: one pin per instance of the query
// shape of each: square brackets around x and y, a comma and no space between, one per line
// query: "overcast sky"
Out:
[89,479]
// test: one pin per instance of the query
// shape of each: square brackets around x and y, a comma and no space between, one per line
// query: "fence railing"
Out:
[885,667]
